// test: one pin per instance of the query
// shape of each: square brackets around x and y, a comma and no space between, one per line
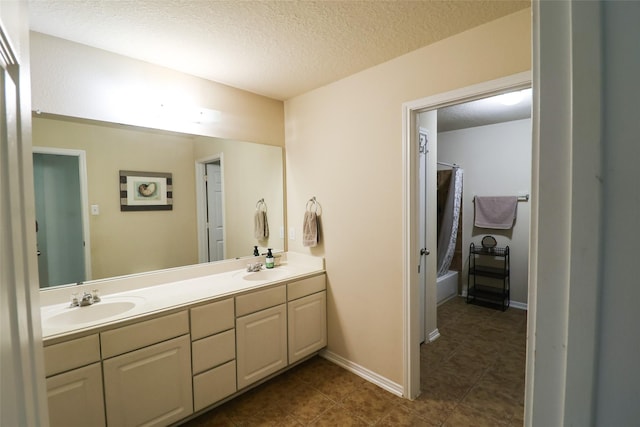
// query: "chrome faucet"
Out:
[254,267]
[87,299]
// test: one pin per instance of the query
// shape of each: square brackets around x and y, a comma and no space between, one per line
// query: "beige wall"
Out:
[344,146]
[130,242]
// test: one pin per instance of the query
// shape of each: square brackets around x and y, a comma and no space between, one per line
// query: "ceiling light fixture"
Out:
[513,98]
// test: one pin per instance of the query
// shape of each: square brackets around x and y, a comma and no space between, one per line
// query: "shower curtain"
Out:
[450,220]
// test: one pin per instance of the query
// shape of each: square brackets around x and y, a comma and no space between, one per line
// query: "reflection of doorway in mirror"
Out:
[62,222]
[215,217]
[210,208]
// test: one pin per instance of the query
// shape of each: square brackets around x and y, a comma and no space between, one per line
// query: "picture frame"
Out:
[146,191]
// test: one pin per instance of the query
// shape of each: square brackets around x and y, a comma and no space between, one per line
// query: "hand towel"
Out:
[310,229]
[495,212]
[261,225]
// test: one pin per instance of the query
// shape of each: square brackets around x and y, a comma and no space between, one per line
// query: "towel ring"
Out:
[261,205]
[313,205]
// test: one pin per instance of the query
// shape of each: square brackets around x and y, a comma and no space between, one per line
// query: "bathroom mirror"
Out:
[127,242]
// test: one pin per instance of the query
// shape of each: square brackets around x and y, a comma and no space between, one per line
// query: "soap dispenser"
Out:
[269,260]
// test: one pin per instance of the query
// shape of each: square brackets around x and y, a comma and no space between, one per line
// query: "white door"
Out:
[423,140]
[427,226]
[22,389]
[59,219]
[215,216]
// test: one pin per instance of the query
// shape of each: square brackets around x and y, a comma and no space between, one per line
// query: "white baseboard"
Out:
[363,372]
[518,305]
[513,304]
[434,335]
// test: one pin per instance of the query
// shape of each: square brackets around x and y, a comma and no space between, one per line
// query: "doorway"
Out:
[411,252]
[210,208]
[62,222]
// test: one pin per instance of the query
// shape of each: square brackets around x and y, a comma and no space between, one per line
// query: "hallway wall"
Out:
[344,146]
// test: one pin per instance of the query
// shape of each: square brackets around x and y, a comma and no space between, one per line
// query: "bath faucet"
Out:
[254,267]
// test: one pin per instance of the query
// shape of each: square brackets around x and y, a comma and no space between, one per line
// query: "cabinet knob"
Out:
[424,251]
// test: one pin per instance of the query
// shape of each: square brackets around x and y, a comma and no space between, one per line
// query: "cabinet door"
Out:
[307,325]
[262,344]
[75,398]
[150,386]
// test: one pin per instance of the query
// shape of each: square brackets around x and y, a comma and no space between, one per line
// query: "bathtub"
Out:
[447,286]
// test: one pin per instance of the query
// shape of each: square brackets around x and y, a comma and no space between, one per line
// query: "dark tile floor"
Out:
[473,375]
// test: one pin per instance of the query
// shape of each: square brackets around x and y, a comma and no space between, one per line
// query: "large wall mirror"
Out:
[84,235]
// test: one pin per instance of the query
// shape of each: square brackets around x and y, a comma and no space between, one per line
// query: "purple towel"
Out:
[496,212]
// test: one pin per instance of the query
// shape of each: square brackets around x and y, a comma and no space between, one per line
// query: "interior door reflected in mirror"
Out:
[215,186]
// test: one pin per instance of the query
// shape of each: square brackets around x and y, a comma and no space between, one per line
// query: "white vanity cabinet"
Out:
[147,372]
[307,317]
[159,369]
[261,334]
[213,350]
[74,383]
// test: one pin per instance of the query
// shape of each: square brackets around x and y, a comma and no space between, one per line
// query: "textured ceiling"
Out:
[279,49]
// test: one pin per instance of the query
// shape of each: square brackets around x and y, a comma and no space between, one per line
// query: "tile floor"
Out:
[473,375]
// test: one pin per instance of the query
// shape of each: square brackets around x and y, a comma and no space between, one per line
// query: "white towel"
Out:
[495,212]
[261,225]
[310,229]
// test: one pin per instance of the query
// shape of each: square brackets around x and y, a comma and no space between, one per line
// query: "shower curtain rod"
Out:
[451,165]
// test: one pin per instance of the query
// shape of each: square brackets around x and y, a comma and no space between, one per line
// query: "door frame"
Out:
[201,205]
[84,197]
[410,254]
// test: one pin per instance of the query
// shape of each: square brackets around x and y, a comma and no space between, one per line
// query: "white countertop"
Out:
[140,302]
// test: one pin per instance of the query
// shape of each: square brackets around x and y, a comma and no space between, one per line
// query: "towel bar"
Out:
[524,198]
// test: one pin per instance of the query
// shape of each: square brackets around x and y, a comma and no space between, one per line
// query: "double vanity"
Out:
[160,347]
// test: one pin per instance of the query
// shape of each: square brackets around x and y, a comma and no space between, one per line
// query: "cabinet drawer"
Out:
[304,287]
[213,351]
[258,300]
[142,334]
[212,318]
[71,354]
[214,385]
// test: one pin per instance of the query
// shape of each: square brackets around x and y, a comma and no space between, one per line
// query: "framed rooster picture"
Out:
[146,191]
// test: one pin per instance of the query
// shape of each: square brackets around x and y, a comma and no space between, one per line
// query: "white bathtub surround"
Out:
[149,293]
[447,286]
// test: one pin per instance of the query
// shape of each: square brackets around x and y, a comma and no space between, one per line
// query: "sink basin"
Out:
[264,274]
[98,311]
